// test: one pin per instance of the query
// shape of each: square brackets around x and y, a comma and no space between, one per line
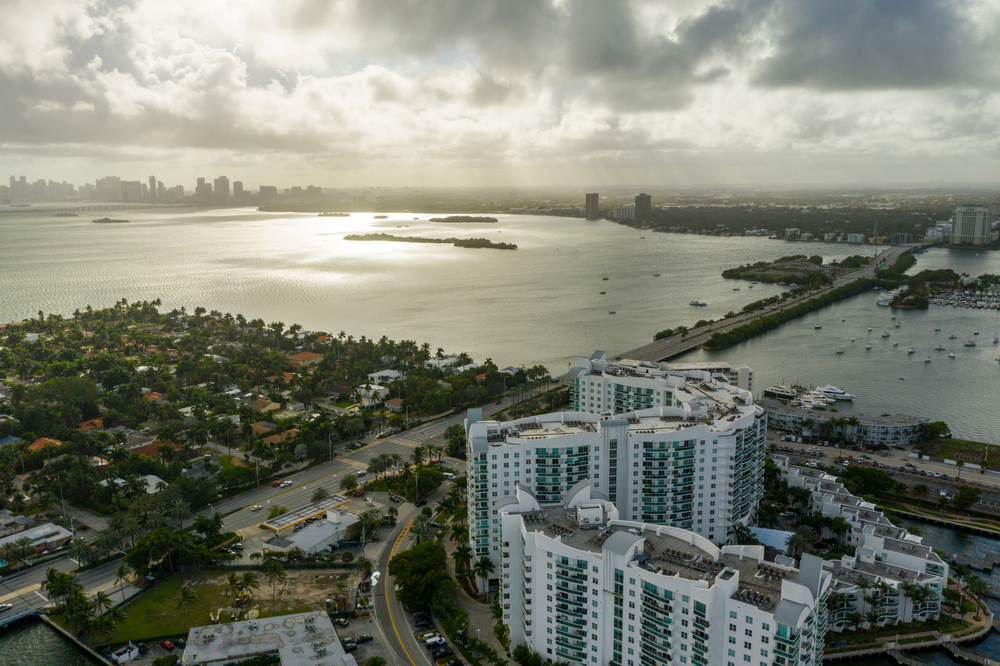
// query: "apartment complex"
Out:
[873,431]
[972,225]
[892,571]
[581,586]
[592,208]
[694,461]
[600,386]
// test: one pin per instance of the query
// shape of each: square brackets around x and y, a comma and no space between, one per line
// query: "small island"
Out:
[108,220]
[66,215]
[464,218]
[334,214]
[457,242]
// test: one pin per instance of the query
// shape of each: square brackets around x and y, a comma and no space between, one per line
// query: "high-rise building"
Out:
[995,208]
[972,225]
[131,190]
[222,190]
[591,210]
[582,586]
[203,192]
[623,212]
[701,452]
[643,205]
[268,193]
[626,385]
[238,191]
[109,188]
[153,192]
[313,192]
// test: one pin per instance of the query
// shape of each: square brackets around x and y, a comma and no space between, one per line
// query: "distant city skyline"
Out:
[491,93]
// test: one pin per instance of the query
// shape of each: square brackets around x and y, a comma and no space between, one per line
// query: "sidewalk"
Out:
[480,615]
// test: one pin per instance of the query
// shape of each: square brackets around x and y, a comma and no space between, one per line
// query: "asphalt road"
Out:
[660,350]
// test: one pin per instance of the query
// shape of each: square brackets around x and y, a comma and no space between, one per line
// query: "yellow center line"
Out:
[395,546]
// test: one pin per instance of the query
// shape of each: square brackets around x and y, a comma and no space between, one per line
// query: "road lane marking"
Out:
[395,547]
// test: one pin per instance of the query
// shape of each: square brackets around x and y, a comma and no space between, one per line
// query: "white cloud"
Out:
[380,90]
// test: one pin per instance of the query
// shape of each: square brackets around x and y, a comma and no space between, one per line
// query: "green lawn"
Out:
[961,449]
[155,613]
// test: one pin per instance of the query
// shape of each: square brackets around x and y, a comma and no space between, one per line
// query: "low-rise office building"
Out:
[874,431]
[903,578]
[306,639]
[581,586]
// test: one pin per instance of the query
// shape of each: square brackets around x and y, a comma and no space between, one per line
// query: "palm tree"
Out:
[871,617]
[482,568]
[797,543]
[116,616]
[250,583]
[421,526]
[320,494]
[976,586]
[961,571]
[834,602]
[462,555]
[274,572]
[417,457]
[349,483]
[101,601]
[233,583]
[121,576]
[186,597]
[920,491]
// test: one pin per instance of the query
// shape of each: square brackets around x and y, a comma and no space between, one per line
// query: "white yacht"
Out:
[970,343]
[834,392]
[927,360]
[885,334]
[911,350]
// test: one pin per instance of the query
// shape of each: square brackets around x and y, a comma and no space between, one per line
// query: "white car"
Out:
[256,507]
[285,484]
[5,607]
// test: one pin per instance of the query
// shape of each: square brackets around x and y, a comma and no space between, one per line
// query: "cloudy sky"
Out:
[501,92]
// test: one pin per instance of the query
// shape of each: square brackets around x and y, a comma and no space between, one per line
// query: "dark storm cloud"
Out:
[877,44]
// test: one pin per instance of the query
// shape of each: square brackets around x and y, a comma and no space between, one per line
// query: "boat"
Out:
[698,303]
[108,220]
[970,343]
[868,346]
[996,339]
[817,327]
[902,379]
[835,393]
[381,217]
[953,337]
[975,332]
[334,215]
[927,359]
[939,348]
[869,329]
[852,339]
[781,392]
[951,354]
[897,324]
[736,288]
[885,334]
[911,350]
[750,287]
[937,330]
[842,321]
[754,282]
[840,351]
[656,275]
[611,311]
[605,278]
[895,344]
[604,292]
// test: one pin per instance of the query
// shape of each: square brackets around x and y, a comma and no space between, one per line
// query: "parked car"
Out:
[442,653]
[787,514]
[420,502]
[350,647]
[340,622]
[434,642]
[364,638]
[393,498]
[236,546]
[181,643]
[167,645]
[358,493]
[456,662]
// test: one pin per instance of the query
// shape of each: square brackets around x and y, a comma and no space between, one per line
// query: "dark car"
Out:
[143,649]
[442,652]
[358,493]
[363,638]
[420,502]
[350,647]
[181,643]
[276,484]
[456,662]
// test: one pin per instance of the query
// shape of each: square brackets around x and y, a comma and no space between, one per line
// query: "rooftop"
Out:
[307,639]
[306,512]
[892,420]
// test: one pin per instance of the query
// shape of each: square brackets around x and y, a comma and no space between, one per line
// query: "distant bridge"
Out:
[74,209]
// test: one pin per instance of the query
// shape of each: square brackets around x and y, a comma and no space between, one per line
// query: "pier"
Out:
[984,564]
[965,655]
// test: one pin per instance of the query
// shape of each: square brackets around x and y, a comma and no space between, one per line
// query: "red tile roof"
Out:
[42,442]
[304,356]
[90,425]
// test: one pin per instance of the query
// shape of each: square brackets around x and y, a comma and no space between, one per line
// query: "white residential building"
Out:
[972,225]
[600,386]
[623,212]
[696,462]
[855,238]
[383,377]
[886,556]
[581,586]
